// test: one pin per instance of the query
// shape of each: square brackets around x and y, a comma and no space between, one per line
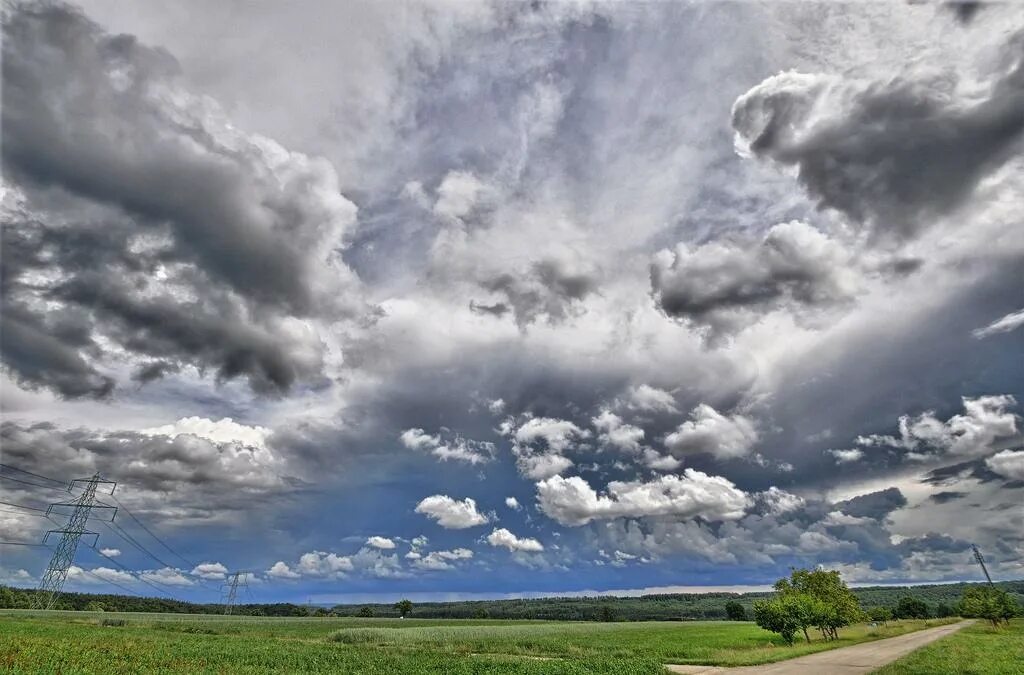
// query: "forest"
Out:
[935,599]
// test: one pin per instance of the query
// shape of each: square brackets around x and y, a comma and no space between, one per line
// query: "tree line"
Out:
[938,600]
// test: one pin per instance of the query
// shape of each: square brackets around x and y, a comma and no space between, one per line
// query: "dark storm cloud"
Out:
[948,496]
[964,10]
[892,154]
[725,284]
[143,209]
[876,505]
[154,371]
[955,473]
[186,477]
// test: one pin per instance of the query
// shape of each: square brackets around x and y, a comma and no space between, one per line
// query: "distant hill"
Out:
[667,607]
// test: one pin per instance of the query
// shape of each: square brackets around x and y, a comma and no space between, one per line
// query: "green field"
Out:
[978,649]
[78,642]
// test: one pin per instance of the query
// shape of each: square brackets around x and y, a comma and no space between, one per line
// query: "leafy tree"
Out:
[882,615]
[909,607]
[607,613]
[775,616]
[366,611]
[734,611]
[829,604]
[404,607]
[989,603]
[481,613]
[942,610]
[95,606]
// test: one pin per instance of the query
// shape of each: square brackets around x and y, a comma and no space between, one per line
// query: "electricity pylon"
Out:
[237,579]
[56,573]
[981,561]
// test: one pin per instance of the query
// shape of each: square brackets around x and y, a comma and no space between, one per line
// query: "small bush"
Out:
[114,622]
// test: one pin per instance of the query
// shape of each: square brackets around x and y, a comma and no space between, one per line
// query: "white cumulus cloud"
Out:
[571,501]
[502,537]
[451,513]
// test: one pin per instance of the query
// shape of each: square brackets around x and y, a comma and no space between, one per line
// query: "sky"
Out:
[469,299]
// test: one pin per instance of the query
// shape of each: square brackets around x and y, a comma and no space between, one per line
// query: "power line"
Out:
[8,466]
[25,482]
[22,543]
[113,583]
[22,506]
[119,531]
[150,533]
[152,584]
[33,515]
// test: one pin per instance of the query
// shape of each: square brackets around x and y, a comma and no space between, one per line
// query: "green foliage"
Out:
[607,613]
[942,610]
[910,607]
[734,611]
[882,615]
[365,611]
[776,616]
[404,607]
[663,607]
[819,598]
[989,603]
[95,606]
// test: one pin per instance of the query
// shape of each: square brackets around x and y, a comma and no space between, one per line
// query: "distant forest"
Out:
[940,599]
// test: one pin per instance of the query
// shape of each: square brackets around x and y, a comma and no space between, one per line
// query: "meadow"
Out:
[87,642]
[976,650]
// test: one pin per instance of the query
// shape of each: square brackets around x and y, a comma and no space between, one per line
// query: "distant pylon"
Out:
[237,579]
[981,561]
[52,583]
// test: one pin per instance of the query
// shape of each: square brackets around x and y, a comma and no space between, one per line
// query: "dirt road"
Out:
[854,660]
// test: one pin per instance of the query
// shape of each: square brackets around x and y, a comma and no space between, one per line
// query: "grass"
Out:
[79,642]
[978,649]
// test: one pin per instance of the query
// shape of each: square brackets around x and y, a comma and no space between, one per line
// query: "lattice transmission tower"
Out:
[981,561]
[71,534]
[237,580]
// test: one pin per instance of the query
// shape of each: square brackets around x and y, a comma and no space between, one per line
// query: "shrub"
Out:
[989,603]
[734,611]
[910,607]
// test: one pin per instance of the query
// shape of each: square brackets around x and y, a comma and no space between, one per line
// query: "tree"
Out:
[607,613]
[942,611]
[882,615]
[95,606]
[827,602]
[989,603]
[366,611]
[734,611]
[404,607]
[909,607]
[773,615]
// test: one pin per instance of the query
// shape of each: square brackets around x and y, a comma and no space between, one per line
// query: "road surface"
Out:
[853,660]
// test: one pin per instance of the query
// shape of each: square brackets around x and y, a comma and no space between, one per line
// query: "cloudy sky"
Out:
[467,299]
